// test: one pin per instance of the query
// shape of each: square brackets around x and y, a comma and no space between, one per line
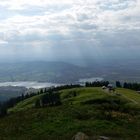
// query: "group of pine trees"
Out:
[65,87]
[52,96]
[96,84]
[49,99]
[133,86]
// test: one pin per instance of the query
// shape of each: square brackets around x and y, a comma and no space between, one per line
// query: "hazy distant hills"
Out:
[7,92]
[61,72]
[57,72]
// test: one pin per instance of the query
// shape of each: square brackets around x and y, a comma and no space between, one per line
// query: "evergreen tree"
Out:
[37,103]
[118,84]
[125,85]
[3,111]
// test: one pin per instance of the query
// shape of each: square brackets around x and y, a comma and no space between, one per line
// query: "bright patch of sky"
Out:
[68,28]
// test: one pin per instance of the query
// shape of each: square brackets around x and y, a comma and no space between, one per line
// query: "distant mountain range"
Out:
[58,72]
[61,72]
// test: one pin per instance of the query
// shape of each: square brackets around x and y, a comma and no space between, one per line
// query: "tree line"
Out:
[97,84]
[52,96]
[133,86]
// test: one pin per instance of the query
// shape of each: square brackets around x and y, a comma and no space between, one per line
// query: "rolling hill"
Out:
[93,111]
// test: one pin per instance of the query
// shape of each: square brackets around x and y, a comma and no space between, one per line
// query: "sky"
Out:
[69,29]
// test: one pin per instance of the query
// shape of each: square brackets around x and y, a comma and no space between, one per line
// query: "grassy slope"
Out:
[26,104]
[64,121]
[130,94]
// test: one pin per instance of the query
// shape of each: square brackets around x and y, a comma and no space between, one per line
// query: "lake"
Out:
[93,79]
[29,84]
[37,85]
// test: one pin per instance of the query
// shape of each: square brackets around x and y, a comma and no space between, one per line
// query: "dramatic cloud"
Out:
[68,28]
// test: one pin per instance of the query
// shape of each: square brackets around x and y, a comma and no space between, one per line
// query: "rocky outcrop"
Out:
[80,136]
[103,138]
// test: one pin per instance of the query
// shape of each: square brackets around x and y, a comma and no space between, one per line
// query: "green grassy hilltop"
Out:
[93,111]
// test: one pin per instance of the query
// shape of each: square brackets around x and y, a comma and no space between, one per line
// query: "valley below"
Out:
[67,73]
